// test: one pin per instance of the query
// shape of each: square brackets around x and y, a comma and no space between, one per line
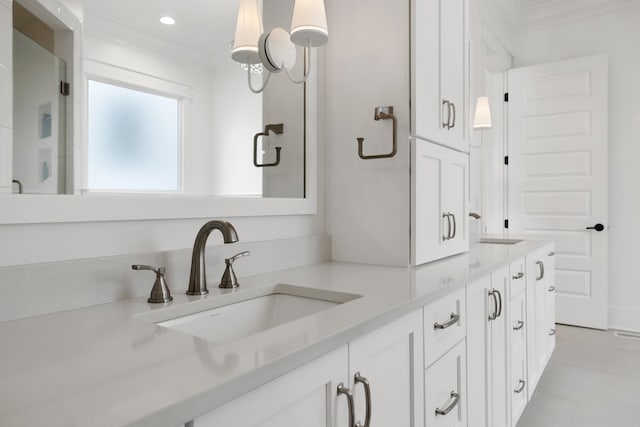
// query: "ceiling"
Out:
[198,22]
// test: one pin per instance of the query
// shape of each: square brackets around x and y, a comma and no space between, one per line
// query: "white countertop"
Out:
[102,366]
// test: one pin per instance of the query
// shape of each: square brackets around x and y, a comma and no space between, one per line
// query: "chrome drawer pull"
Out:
[520,388]
[456,399]
[494,315]
[552,332]
[519,326]
[454,319]
[541,265]
[367,395]
[352,415]
[552,288]
[520,275]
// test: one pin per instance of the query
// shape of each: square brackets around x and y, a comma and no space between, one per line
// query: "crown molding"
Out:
[547,13]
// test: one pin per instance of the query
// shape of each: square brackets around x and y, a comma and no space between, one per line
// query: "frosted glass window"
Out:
[133,139]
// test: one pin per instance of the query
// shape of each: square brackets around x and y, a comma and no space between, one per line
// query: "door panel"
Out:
[557,175]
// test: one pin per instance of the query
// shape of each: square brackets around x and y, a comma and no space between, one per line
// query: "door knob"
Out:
[597,227]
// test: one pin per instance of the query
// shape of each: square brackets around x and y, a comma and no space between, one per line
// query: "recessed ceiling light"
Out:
[167,20]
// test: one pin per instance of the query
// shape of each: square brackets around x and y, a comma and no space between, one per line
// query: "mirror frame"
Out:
[33,209]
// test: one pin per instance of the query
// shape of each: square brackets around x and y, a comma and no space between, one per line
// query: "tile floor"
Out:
[592,380]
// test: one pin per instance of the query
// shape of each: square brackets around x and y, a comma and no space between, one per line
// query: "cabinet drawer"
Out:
[518,323]
[445,385]
[444,325]
[517,278]
[518,384]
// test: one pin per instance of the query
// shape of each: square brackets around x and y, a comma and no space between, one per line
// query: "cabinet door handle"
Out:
[448,105]
[448,236]
[455,226]
[552,332]
[452,321]
[520,388]
[453,122]
[359,379]
[347,392]
[552,254]
[552,288]
[456,399]
[519,325]
[494,315]
[541,265]
[520,275]
[499,303]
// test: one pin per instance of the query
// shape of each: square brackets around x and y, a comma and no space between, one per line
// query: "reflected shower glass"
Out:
[133,140]
[39,134]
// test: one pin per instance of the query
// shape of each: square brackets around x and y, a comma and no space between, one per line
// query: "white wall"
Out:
[616,33]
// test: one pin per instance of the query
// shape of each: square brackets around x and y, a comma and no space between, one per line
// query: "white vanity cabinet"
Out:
[445,377]
[446,392]
[385,365]
[517,329]
[440,72]
[396,210]
[389,360]
[550,297]
[307,393]
[540,303]
[440,209]
[487,350]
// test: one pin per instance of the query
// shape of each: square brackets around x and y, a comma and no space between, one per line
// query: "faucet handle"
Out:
[230,261]
[157,270]
[160,292]
[229,279]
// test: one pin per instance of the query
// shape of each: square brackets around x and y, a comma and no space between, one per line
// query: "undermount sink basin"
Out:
[233,316]
[499,241]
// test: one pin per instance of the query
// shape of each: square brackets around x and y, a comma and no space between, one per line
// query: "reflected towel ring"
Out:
[278,129]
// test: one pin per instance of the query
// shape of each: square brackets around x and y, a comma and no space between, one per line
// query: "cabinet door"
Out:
[518,385]
[439,71]
[389,360]
[456,195]
[453,61]
[550,299]
[429,224]
[487,348]
[479,310]
[307,393]
[500,350]
[445,385]
[538,337]
[440,209]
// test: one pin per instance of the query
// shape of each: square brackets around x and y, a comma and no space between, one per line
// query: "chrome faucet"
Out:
[198,277]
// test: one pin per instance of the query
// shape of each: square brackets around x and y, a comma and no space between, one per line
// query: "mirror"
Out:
[220,123]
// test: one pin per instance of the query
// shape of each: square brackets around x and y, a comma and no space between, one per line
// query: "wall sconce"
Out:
[482,118]
[276,50]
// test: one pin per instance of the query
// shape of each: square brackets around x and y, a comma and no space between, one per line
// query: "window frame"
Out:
[129,79]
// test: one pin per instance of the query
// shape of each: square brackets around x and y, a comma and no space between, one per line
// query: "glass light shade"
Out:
[482,118]
[248,31]
[309,23]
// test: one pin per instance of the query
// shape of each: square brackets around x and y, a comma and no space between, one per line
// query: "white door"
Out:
[557,176]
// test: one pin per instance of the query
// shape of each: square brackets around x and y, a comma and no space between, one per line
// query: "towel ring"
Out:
[382,113]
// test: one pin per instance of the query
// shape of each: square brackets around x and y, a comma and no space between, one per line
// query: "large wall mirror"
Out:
[161,110]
